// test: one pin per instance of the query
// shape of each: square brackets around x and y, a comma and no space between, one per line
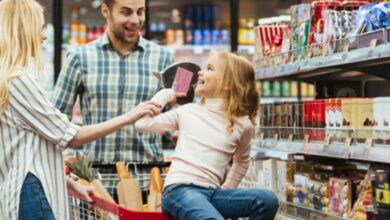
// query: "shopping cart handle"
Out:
[99,202]
[122,212]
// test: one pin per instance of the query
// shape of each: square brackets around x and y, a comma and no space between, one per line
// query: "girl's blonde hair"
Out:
[236,81]
[21,25]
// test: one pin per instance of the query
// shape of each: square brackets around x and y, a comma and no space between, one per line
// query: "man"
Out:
[116,72]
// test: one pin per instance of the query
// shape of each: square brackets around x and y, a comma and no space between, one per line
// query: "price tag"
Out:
[346,49]
[251,50]
[276,137]
[308,56]
[198,50]
[290,138]
[261,136]
[306,139]
[292,58]
[326,144]
[327,140]
[368,143]
[275,141]
[373,43]
[347,142]
[323,52]
[367,147]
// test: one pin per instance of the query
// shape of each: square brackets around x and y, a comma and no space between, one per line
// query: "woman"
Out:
[32,132]
[213,133]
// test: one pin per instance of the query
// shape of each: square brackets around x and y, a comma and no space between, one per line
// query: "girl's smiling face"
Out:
[208,79]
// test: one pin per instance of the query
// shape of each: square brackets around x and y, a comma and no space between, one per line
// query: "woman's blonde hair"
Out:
[236,81]
[21,26]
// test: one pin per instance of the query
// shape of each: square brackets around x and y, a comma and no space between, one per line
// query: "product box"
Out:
[365,120]
[269,174]
[340,197]
[317,24]
[301,193]
[381,120]
[300,28]
[318,195]
[349,111]
[330,118]
[308,120]
[382,189]
[332,32]
[281,180]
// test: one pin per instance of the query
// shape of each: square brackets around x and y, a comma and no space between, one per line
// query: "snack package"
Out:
[300,25]
[340,197]
[378,17]
[360,24]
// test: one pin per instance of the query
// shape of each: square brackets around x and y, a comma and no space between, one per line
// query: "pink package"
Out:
[182,80]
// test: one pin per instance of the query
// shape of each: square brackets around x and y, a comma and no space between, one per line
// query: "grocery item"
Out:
[129,192]
[340,197]
[82,167]
[155,190]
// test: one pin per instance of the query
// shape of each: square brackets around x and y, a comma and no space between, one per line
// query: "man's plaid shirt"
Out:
[114,84]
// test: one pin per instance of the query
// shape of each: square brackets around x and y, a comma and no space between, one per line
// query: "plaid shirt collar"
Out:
[105,43]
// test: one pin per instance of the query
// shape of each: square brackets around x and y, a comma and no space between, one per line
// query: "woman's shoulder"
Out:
[21,75]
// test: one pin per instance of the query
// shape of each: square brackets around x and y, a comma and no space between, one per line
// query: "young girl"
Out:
[213,132]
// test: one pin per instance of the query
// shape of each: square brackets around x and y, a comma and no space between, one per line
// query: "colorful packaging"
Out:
[382,188]
[317,24]
[333,32]
[340,193]
[304,12]
[301,193]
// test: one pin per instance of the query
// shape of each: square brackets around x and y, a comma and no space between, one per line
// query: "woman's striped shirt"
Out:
[33,134]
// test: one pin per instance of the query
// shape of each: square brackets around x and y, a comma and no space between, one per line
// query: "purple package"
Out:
[182,81]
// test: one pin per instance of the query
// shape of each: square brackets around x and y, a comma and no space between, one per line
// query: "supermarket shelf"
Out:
[246,49]
[274,143]
[296,211]
[196,49]
[265,100]
[367,60]
[282,149]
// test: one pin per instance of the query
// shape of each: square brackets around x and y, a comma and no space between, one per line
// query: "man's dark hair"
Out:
[109,3]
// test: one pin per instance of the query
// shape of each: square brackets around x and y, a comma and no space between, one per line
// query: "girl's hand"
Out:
[145,108]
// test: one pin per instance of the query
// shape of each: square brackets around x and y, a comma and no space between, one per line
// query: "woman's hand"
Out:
[82,191]
[150,108]
[177,95]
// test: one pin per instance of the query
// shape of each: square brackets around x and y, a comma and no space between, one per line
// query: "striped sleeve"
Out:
[36,111]
[64,94]
[241,160]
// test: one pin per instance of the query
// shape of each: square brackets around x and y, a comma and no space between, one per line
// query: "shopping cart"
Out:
[104,209]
